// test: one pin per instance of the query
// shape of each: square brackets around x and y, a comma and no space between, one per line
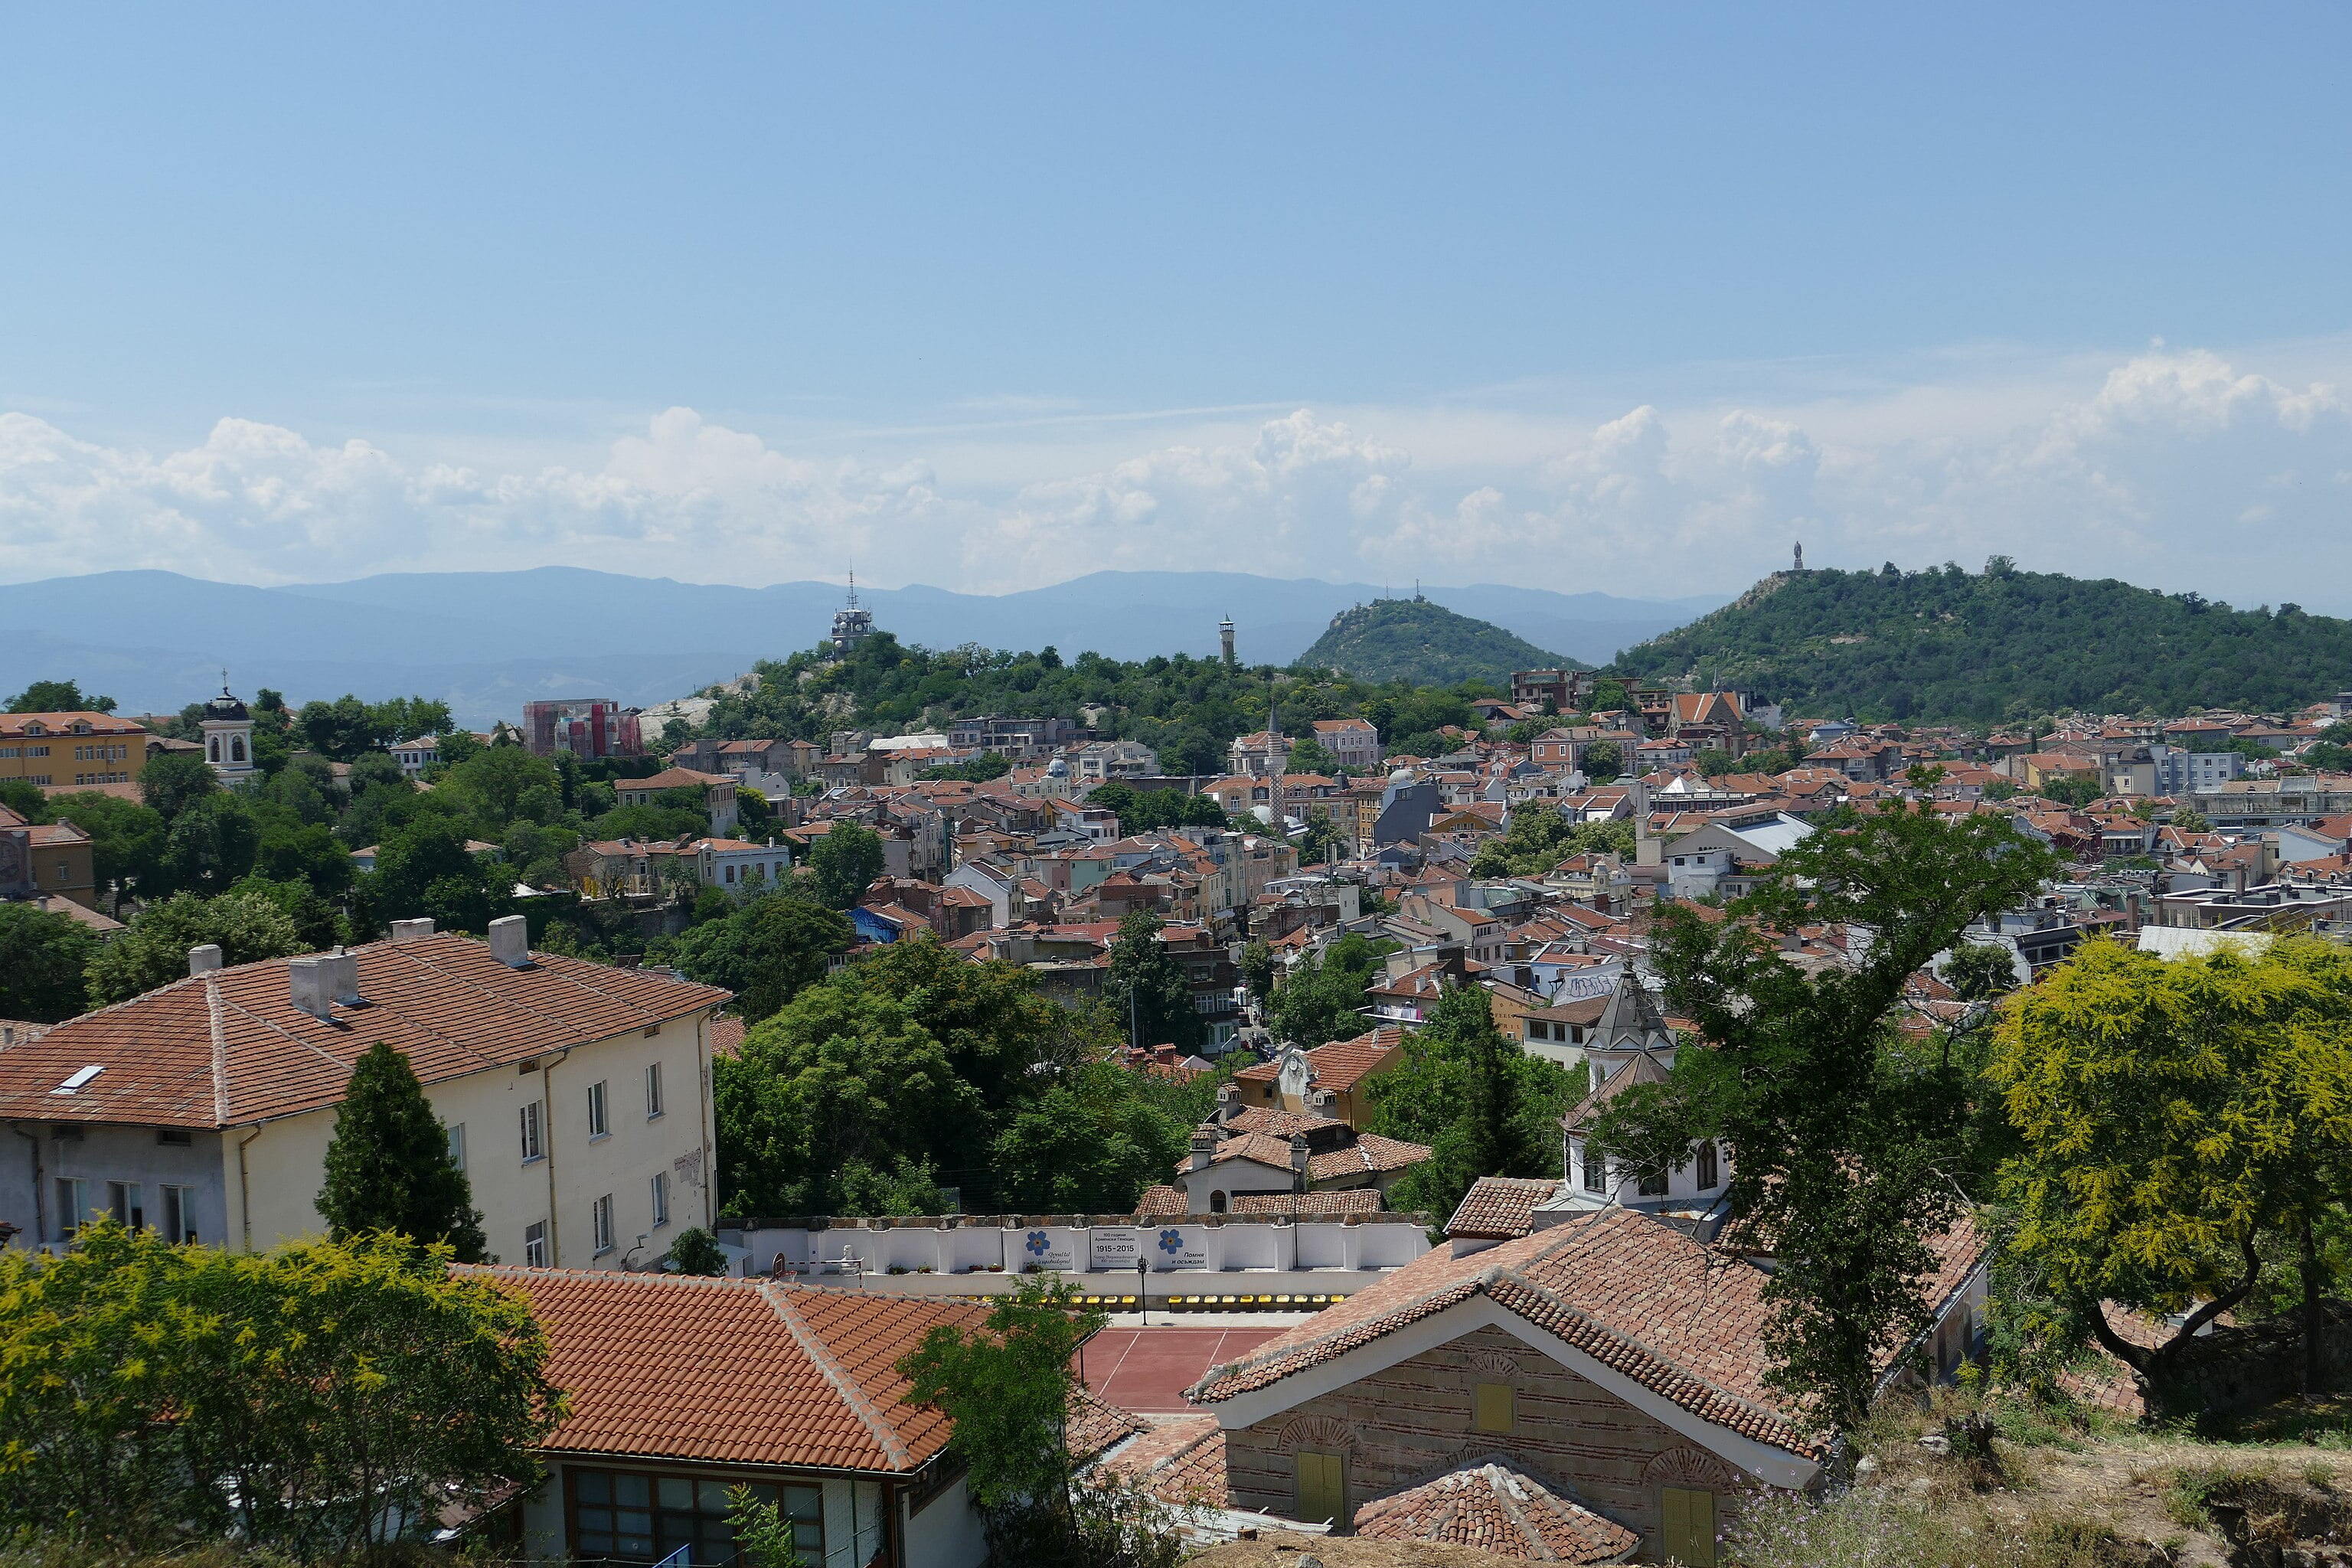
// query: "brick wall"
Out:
[1402,1425]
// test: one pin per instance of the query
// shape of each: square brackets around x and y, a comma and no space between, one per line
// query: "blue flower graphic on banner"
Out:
[1171,1242]
[1036,1244]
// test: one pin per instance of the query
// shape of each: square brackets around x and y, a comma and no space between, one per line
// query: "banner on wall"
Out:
[1047,1250]
[1118,1247]
[1179,1247]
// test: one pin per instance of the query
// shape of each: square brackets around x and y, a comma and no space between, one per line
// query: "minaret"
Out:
[1225,640]
[1280,821]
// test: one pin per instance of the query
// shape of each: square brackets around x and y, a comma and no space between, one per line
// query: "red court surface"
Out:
[1150,1368]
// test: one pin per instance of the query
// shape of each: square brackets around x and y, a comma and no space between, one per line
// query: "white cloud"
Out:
[2175,469]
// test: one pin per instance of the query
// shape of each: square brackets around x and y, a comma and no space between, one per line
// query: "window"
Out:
[123,1202]
[618,1516]
[1596,1173]
[1687,1519]
[457,1144]
[599,1124]
[179,1215]
[661,1198]
[1322,1487]
[533,1148]
[212,750]
[653,1091]
[1217,1201]
[1708,1175]
[602,1214]
[175,1137]
[73,1207]
[1494,1408]
[535,1243]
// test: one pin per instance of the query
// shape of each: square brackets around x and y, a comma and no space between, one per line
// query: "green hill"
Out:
[2000,645]
[1429,644]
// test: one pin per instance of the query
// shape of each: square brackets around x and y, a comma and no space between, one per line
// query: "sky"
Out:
[1620,297]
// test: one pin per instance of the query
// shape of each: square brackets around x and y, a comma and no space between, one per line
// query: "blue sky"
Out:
[990,296]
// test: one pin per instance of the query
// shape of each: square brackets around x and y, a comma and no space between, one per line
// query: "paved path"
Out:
[1148,1369]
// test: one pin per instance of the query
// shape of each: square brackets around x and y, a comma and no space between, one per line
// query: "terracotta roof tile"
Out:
[1095,1424]
[1342,1064]
[1499,1207]
[1181,1461]
[1162,1200]
[1682,1319]
[1371,1152]
[1497,1507]
[735,1371]
[230,1047]
[1337,1200]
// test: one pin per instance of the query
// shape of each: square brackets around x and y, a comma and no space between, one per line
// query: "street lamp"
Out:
[1143,1289]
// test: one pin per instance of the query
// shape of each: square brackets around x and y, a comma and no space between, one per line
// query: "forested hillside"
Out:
[1187,709]
[1997,645]
[1427,644]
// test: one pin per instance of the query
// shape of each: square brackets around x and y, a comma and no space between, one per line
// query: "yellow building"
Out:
[64,749]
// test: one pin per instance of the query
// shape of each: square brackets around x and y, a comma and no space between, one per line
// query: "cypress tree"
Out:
[388,1165]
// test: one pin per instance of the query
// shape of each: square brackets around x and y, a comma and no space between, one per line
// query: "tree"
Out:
[58,696]
[388,1165]
[1603,761]
[2188,819]
[1258,970]
[844,863]
[211,844]
[697,1251]
[1324,999]
[1484,1107]
[424,869]
[1308,756]
[42,956]
[1146,989]
[172,779]
[1089,1145]
[2172,1114]
[766,952]
[1980,972]
[341,729]
[1849,1184]
[154,951]
[1610,697]
[1007,1386]
[308,1401]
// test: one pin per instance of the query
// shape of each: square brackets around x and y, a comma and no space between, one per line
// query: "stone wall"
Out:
[1402,1425]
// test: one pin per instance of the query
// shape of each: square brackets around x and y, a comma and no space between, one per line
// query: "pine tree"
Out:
[388,1165]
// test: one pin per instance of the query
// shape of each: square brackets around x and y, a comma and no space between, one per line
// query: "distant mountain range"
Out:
[489,641]
[1425,643]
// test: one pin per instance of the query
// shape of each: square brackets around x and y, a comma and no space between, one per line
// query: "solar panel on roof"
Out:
[80,1076]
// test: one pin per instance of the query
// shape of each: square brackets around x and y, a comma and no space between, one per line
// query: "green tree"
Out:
[1610,697]
[1258,970]
[1308,756]
[1851,1185]
[2173,1114]
[388,1165]
[1146,989]
[1980,972]
[173,779]
[766,952]
[42,956]
[844,863]
[2188,819]
[1088,1144]
[341,729]
[154,951]
[1325,997]
[1484,1107]
[407,718]
[696,1251]
[58,696]
[211,844]
[1603,761]
[425,869]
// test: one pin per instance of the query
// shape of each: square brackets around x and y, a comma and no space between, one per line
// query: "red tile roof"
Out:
[1371,1152]
[1497,1507]
[1499,1207]
[230,1047]
[1340,1065]
[1337,1200]
[1682,1320]
[1181,1461]
[742,1371]
[1162,1200]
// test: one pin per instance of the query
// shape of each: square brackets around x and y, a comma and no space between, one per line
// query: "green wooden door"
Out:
[1689,1527]
[1323,1488]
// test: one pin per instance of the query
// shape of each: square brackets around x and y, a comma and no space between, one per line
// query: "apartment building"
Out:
[62,751]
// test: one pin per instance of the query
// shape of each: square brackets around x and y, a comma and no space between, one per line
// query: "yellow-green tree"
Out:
[2173,1114]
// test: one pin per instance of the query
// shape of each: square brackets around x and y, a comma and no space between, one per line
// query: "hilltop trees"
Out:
[42,956]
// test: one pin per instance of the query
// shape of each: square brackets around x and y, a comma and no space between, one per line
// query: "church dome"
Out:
[226,707]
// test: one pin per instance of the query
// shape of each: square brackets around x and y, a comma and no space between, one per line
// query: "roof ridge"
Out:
[220,1051]
[886,1437]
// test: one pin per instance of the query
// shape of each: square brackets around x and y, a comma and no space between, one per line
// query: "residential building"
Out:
[577,1095]
[1016,738]
[718,793]
[45,860]
[1331,1079]
[1259,754]
[1353,744]
[680,1388]
[585,726]
[1552,690]
[58,751]
[415,756]
[734,865]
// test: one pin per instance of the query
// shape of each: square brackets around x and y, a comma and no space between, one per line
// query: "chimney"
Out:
[1229,1103]
[342,972]
[412,931]
[1299,1161]
[306,979]
[205,959]
[1205,1146]
[510,941]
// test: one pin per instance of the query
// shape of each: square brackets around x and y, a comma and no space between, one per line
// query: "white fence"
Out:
[1083,1246]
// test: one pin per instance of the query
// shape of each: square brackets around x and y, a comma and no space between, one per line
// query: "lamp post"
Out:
[1143,1289]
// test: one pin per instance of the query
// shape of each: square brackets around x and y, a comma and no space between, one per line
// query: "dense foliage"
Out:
[1540,837]
[1185,709]
[388,1165]
[1484,1107]
[1994,647]
[310,1400]
[42,957]
[1324,997]
[1426,643]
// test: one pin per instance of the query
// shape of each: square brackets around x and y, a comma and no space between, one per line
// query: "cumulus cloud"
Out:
[2175,468]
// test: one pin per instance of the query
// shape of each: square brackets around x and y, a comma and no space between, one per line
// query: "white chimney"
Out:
[205,959]
[510,941]
[342,972]
[1205,1148]
[306,979]
[412,931]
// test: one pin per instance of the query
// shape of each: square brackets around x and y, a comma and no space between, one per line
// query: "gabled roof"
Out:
[230,1047]
[1495,1506]
[1337,1200]
[1499,1207]
[737,1372]
[1370,1154]
[1340,1065]
[1681,1319]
